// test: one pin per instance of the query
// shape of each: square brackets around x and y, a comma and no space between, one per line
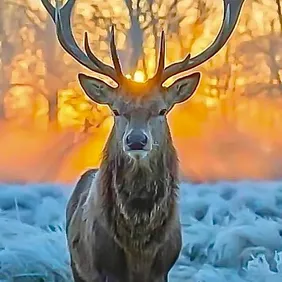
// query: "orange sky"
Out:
[228,138]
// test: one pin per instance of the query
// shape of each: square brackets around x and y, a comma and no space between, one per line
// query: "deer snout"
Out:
[136,140]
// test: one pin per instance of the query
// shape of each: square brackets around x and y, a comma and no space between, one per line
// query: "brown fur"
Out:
[124,225]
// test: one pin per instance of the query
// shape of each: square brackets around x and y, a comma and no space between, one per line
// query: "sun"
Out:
[139,76]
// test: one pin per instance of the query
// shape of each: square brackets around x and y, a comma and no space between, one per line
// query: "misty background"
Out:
[230,129]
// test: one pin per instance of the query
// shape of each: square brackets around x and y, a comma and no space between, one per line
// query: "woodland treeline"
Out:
[38,79]
[231,129]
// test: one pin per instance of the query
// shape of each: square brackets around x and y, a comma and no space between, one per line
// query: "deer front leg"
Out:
[161,279]
[75,274]
[94,278]
[106,278]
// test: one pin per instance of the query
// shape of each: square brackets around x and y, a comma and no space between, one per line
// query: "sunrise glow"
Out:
[230,128]
[139,76]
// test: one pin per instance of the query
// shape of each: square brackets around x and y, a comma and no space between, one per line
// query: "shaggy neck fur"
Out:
[138,196]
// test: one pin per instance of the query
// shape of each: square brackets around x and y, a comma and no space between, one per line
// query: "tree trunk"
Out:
[53,108]
[52,71]
[2,74]
[279,12]
[2,107]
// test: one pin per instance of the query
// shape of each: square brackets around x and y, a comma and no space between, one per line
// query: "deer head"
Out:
[140,109]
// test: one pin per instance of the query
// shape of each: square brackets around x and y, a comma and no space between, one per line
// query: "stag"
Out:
[122,221]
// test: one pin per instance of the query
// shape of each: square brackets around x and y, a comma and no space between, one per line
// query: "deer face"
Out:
[140,110]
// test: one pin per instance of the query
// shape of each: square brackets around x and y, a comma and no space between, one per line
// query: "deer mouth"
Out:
[137,154]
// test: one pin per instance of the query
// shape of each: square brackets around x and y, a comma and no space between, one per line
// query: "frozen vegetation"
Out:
[232,232]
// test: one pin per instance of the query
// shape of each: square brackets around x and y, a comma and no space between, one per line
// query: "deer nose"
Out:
[136,140]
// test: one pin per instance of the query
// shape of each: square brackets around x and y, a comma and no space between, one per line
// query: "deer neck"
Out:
[139,195]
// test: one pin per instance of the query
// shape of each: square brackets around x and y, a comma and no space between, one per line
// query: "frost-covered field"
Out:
[232,232]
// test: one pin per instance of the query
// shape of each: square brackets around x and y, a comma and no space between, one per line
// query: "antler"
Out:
[232,9]
[62,19]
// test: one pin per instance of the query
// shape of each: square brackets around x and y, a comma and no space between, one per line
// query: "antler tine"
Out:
[62,18]
[106,69]
[114,54]
[232,9]
[161,61]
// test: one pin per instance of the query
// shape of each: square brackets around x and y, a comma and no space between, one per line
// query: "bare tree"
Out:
[273,5]
[9,46]
[262,55]
[279,12]
[55,69]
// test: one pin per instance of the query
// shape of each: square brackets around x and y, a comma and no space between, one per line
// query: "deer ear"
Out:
[96,89]
[183,88]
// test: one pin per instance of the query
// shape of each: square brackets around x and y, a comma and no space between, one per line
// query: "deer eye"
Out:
[116,112]
[162,112]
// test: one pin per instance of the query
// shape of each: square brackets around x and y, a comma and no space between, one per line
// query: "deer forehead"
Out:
[140,89]
[140,94]
[130,104]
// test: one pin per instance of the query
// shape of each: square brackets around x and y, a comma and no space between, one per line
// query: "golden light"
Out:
[211,102]
[216,119]
[139,76]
